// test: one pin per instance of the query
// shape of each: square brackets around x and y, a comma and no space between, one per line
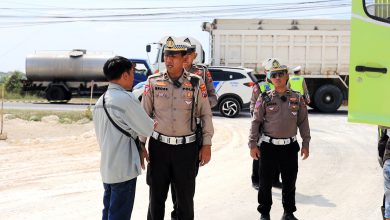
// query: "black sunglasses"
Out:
[279,74]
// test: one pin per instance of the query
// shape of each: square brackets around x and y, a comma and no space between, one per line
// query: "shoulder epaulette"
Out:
[155,75]
[194,75]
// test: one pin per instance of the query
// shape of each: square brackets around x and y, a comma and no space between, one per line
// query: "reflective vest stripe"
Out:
[296,84]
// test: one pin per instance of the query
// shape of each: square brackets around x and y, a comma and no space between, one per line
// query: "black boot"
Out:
[288,216]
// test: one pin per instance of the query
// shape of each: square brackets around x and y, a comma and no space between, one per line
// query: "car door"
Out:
[370,62]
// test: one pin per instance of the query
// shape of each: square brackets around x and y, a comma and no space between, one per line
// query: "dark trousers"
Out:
[118,200]
[286,158]
[176,165]
[173,194]
[256,173]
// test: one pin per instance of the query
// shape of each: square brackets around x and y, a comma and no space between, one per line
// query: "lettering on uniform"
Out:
[161,88]
[270,104]
[146,89]
[161,94]
[188,89]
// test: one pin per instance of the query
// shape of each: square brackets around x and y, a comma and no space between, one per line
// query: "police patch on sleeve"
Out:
[146,89]
[258,104]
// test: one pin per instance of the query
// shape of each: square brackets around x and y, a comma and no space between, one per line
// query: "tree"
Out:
[13,83]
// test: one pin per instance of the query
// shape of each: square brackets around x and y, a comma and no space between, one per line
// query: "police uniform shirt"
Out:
[171,106]
[280,119]
[120,160]
[203,72]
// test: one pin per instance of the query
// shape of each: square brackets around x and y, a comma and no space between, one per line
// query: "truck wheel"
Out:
[57,94]
[229,107]
[328,98]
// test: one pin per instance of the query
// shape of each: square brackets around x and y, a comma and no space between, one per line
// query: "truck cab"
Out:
[370,63]
[156,55]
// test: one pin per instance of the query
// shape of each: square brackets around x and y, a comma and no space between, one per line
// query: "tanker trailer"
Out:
[60,75]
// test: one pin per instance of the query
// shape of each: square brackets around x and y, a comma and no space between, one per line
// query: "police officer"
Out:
[200,70]
[297,83]
[278,113]
[174,98]
[258,88]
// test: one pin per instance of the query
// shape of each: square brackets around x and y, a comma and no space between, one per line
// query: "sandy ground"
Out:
[51,171]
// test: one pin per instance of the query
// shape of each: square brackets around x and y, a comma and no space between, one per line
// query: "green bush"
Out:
[13,83]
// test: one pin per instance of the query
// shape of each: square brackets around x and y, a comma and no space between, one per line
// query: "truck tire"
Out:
[230,107]
[328,98]
[57,94]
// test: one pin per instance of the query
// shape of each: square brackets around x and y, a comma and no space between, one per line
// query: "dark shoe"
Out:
[255,186]
[288,216]
[277,184]
[265,217]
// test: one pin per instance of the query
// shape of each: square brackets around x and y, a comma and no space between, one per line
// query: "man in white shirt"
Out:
[121,160]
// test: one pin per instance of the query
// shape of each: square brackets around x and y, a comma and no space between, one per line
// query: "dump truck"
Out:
[320,47]
[61,75]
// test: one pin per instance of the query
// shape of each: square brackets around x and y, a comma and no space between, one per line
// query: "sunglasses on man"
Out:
[279,74]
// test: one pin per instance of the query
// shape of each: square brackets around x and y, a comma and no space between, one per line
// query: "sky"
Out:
[125,27]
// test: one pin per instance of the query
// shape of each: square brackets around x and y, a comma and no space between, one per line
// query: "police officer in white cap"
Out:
[174,99]
[277,115]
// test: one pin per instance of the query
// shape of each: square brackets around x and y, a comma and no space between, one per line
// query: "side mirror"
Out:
[148,48]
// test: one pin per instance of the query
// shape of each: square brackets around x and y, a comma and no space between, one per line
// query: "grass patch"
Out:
[37,115]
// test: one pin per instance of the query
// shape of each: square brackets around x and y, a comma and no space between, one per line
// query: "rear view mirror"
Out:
[148,48]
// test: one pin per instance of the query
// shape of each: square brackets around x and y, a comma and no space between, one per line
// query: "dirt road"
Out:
[51,171]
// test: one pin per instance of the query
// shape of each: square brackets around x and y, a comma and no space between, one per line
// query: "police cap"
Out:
[174,46]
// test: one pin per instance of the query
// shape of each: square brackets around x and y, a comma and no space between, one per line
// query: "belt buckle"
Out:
[172,140]
[280,142]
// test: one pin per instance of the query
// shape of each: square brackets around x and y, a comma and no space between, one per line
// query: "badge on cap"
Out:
[170,42]
[275,64]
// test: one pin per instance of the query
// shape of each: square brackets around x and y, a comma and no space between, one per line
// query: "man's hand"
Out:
[144,155]
[205,154]
[304,153]
[255,152]
[155,123]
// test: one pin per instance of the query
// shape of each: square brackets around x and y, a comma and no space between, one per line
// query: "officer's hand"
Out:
[255,152]
[205,155]
[304,153]
[144,155]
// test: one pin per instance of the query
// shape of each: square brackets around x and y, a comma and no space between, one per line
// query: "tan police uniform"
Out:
[278,116]
[171,106]
[280,119]
[173,152]
[203,72]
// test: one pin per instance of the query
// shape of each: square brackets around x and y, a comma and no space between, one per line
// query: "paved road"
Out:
[340,180]
[46,106]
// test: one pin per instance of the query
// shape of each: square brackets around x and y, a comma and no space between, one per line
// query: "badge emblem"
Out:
[170,43]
